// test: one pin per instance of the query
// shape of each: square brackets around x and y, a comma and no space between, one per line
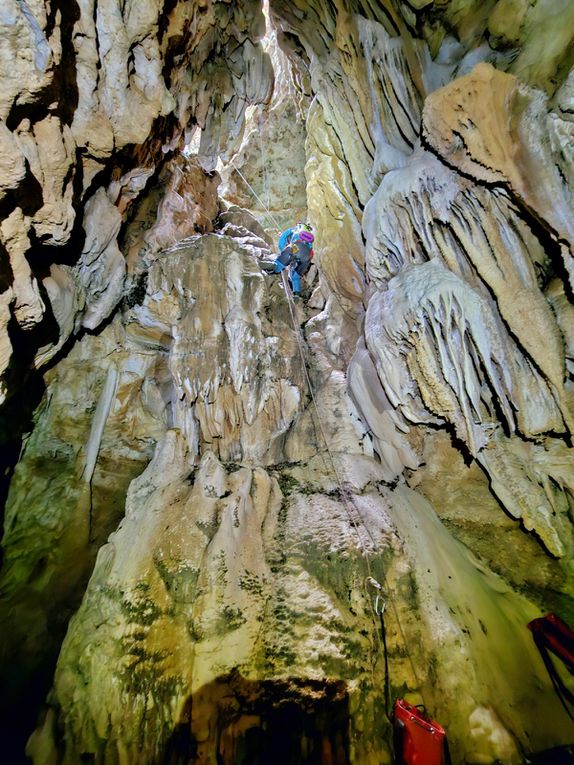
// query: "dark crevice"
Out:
[137,293]
[42,255]
[176,49]
[19,705]
[27,196]
[291,47]
[131,61]
[97,44]
[383,13]
[168,7]
[16,414]
[457,442]
[65,80]
[550,243]
[6,273]
[490,185]
[415,128]
[63,88]
[35,111]
[290,721]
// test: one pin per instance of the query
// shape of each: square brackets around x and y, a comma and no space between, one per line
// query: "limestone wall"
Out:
[213,473]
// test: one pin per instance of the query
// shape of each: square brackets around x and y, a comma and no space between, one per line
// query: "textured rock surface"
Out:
[189,528]
[100,90]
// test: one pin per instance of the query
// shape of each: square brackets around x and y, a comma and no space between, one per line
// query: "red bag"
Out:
[556,636]
[551,634]
[418,740]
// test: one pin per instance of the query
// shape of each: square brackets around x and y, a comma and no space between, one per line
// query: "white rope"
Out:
[342,489]
[257,197]
[370,580]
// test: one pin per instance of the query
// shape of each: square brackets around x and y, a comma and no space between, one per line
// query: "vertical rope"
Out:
[342,489]
[349,503]
[257,197]
[350,506]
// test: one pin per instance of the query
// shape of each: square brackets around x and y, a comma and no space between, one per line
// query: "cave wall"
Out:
[98,100]
[96,97]
[452,209]
[173,490]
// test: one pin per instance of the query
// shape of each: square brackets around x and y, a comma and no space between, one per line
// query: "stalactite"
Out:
[216,476]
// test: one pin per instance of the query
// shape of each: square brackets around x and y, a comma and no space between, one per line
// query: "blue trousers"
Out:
[294,277]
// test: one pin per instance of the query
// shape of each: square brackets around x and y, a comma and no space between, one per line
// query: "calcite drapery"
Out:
[490,127]
[440,190]
[496,240]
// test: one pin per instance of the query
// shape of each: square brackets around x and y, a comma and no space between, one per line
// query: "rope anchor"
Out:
[379,589]
[381,611]
[373,582]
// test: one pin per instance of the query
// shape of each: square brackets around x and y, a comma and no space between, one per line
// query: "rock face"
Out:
[220,487]
[101,90]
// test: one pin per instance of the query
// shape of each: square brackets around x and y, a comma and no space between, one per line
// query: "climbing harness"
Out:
[552,635]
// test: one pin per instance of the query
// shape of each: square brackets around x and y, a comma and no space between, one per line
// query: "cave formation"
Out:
[202,478]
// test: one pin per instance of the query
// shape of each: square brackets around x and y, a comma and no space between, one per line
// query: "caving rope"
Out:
[260,124]
[353,512]
[266,211]
[417,738]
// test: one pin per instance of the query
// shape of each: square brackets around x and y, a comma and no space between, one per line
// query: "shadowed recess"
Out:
[280,722]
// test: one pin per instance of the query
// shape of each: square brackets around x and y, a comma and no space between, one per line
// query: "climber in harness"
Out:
[295,253]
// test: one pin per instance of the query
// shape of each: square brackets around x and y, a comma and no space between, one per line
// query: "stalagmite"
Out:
[232,520]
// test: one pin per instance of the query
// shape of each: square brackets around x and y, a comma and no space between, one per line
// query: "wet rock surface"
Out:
[201,475]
